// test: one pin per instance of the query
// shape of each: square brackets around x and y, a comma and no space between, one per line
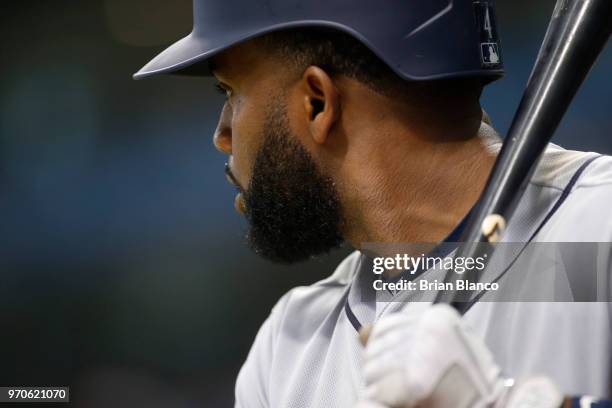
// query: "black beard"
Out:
[292,208]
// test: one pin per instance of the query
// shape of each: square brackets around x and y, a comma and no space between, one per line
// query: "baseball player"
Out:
[360,121]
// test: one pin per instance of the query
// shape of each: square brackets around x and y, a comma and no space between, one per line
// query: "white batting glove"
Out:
[433,360]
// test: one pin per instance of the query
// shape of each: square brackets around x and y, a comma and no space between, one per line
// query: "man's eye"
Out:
[222,90]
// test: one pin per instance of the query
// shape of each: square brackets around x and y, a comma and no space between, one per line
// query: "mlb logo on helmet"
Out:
[489,48]
[490,54]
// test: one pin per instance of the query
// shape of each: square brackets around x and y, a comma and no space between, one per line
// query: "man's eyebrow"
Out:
[212,65]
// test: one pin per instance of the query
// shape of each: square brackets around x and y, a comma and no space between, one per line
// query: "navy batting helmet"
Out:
[418,39]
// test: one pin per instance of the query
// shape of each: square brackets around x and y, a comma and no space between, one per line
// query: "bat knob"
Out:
[493,227]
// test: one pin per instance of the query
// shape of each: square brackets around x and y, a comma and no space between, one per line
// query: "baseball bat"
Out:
[576,35]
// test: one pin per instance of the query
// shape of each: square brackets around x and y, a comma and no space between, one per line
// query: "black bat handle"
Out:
[576,35]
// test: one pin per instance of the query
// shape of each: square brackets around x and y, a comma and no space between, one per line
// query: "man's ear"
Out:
[321,103]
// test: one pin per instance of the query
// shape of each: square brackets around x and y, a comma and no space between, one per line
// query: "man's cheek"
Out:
[248,122]
[245,152]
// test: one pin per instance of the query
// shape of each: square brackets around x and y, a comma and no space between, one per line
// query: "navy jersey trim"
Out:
[451,238]
[351,316]
[581,402]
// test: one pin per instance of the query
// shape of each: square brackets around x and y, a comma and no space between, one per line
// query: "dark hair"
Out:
[334,51]
[339,53]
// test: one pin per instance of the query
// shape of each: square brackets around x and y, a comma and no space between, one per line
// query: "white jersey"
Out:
[307,353]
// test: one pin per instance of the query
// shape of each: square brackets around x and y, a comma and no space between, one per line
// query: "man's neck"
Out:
[418,191]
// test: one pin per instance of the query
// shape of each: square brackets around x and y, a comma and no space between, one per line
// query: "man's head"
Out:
[328,100]
[268,126]
[293,99]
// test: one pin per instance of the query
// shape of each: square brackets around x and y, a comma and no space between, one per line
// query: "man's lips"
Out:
[239,203]
[230,176]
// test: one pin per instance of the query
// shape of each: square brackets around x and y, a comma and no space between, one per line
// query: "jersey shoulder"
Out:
[558,166]
[576,189]
[305,307]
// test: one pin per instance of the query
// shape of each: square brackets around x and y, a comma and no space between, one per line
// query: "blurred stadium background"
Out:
[123,269]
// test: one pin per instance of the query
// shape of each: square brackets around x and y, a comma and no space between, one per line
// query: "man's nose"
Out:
[222,138]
